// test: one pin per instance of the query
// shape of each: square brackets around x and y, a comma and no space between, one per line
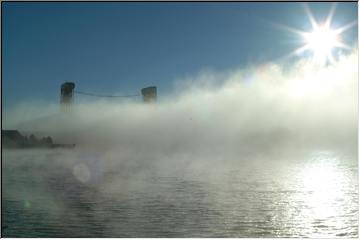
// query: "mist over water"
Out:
[268,151]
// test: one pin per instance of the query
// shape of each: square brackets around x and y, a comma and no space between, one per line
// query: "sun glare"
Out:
[322,40]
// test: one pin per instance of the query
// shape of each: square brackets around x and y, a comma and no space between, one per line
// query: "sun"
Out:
[322,40]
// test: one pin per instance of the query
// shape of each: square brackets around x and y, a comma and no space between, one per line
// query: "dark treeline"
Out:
[13,139]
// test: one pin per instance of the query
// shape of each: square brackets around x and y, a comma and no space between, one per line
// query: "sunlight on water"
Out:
[325,184]
[313,197]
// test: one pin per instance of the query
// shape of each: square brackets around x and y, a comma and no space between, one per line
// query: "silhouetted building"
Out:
[149,94]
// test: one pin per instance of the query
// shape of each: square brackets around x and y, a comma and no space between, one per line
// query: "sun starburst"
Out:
[322,39]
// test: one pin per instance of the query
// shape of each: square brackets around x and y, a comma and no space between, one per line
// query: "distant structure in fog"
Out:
[67,93]
[149,94]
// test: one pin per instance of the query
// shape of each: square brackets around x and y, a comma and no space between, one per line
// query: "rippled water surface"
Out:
[44,195]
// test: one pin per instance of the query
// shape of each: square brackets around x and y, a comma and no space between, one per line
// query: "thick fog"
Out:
[266,108]
[267,112]
[258,117]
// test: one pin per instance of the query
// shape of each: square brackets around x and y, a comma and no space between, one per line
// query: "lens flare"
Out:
[322,40]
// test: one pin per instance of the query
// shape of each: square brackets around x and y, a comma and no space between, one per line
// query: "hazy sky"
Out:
[118,48]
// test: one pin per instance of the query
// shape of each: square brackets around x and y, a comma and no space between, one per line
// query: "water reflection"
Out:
[326,194]
[312,197]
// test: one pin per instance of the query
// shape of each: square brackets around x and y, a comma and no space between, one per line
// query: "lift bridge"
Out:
[67,91]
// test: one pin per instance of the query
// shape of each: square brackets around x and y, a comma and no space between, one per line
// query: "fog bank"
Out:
[260,110]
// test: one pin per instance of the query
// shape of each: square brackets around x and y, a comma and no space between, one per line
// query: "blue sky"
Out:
[121,47]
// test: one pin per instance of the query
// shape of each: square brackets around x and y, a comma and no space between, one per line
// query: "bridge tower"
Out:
[149,94]
[67,95]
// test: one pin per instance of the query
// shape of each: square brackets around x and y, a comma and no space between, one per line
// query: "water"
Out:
[62,194]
